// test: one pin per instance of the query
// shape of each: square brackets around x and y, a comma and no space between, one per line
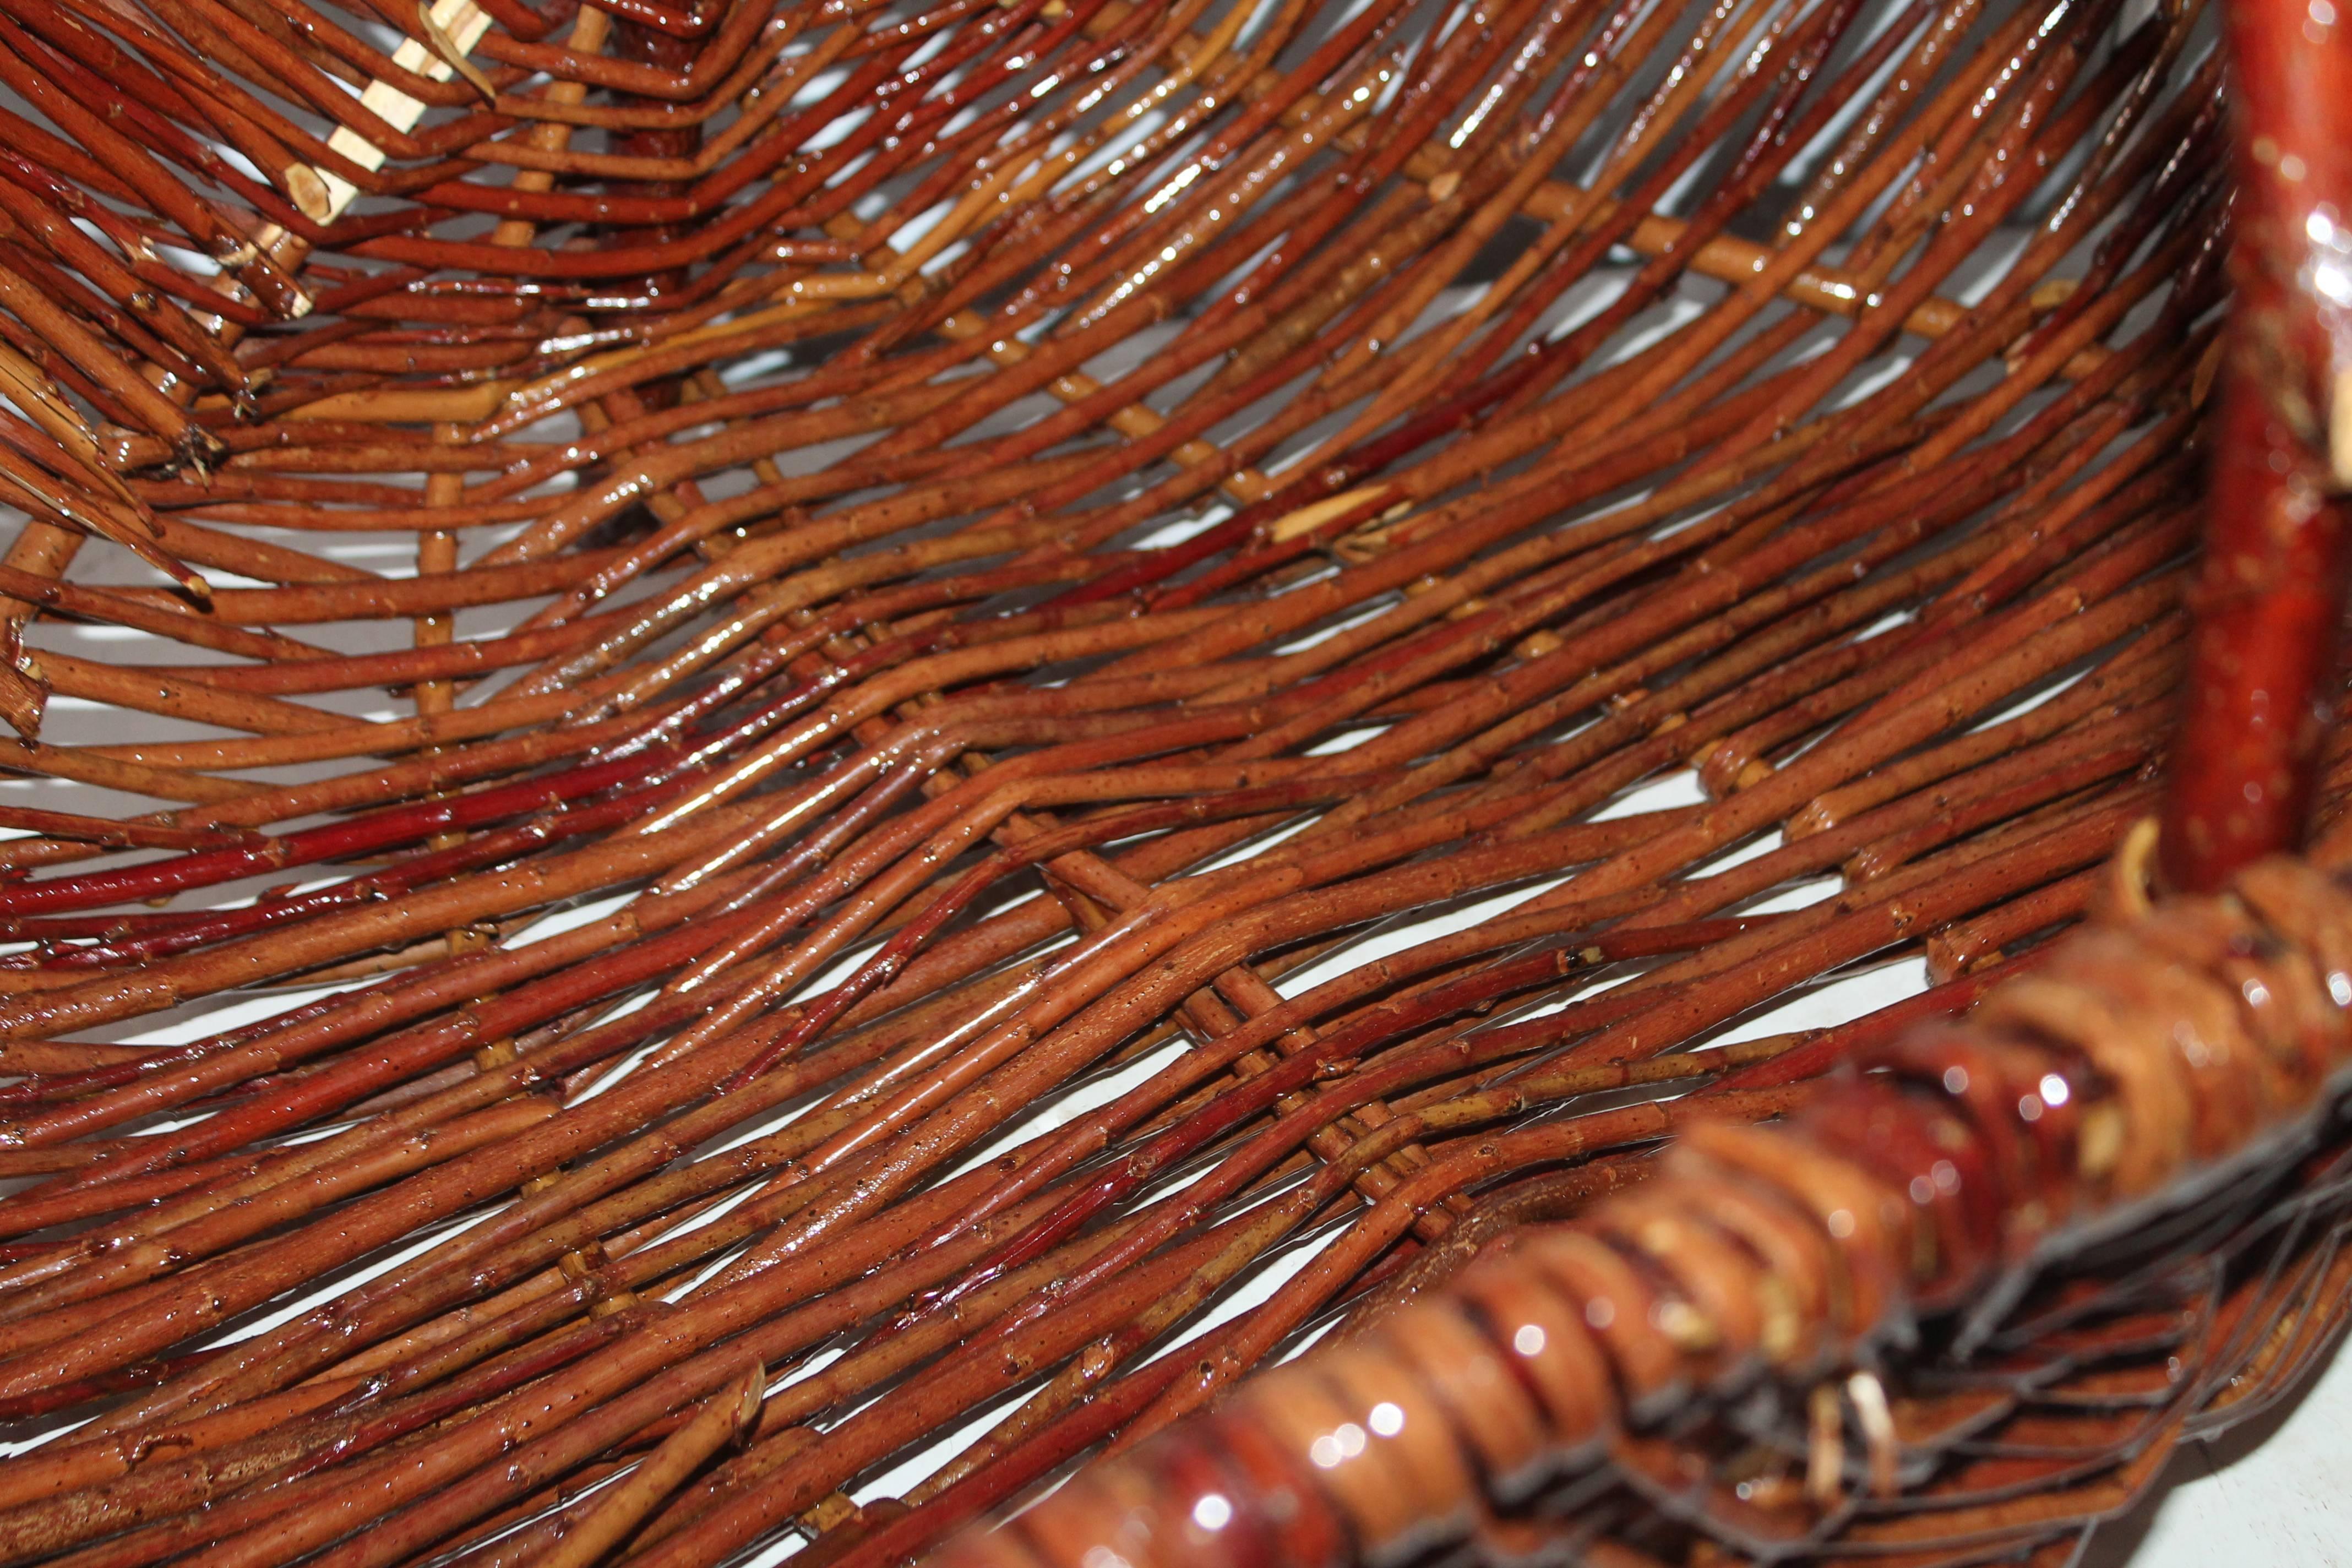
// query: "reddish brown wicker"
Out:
[742,729]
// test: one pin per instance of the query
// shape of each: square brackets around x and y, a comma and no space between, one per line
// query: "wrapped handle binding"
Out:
[2144,1061]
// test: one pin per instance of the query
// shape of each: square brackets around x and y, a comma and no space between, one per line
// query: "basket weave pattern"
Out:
[757,740]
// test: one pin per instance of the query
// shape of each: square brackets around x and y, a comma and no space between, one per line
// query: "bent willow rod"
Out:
[777,768]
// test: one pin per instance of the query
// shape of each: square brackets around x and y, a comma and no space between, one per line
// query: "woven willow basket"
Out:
[772,764]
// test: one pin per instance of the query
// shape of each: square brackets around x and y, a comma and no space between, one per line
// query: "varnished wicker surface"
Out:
[854,626]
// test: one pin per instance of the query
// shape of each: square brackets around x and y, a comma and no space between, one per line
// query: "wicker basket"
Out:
[775,763]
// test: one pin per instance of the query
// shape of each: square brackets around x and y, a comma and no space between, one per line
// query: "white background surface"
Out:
[2274,1491]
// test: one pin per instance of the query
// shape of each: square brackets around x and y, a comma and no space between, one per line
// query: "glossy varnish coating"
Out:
[2263,683]
[2143,1057]
[977,568]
